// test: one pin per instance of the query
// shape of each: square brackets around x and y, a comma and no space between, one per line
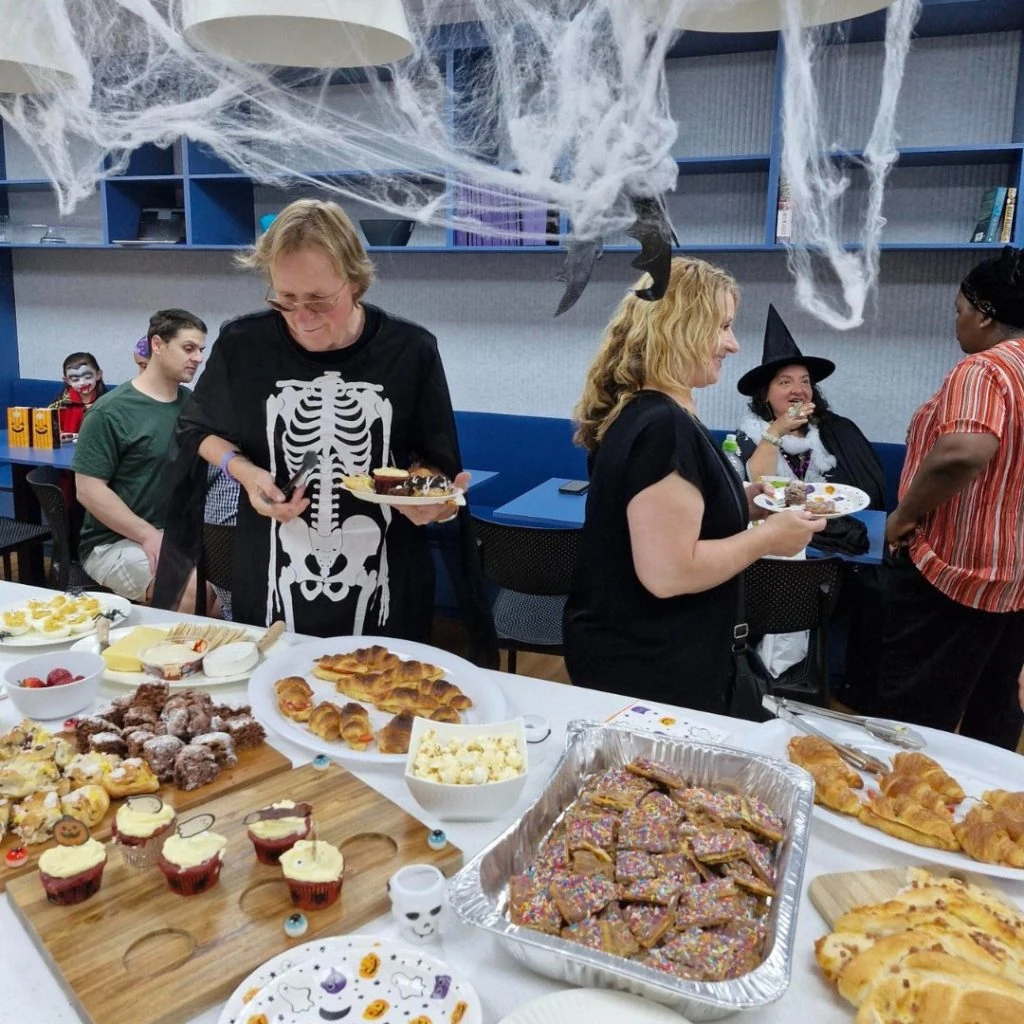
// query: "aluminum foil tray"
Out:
[479,892]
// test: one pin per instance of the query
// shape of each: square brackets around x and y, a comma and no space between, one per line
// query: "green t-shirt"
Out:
[124,441]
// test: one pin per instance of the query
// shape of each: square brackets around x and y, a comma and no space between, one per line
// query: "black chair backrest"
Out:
[45,484]
[218,555]
[526,559]
[786,596]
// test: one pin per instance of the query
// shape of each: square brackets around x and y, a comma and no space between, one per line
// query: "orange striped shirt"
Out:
[972,547]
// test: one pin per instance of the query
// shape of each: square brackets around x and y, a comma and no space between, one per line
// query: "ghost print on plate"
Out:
[349,979]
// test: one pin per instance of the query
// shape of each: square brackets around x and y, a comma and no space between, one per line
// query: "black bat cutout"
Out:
[655,235]
[576,271]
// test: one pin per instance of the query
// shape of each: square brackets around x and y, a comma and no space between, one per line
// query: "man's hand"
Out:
[267,498]
[753,490]
[151,545]
[421,515]
[898,529]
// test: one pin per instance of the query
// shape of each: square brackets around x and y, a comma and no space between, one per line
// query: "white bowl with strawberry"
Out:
[54,685]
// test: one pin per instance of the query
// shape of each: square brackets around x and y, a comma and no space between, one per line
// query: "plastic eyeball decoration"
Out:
[321,763]
[16,855]
[437,840]
[296,926]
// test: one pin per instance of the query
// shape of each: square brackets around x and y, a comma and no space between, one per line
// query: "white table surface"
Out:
[30,993]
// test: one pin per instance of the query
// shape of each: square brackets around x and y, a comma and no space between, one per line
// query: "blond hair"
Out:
[661,345]
[313,224]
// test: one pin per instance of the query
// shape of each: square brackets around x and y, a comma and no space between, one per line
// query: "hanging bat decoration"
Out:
[576,271]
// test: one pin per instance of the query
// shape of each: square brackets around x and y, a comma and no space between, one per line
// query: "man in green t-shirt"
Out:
[120,460]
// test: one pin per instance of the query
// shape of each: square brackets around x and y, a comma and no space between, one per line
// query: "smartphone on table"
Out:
[574,487]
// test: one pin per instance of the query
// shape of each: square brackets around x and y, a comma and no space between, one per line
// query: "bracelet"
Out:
[224,462]
[772,439]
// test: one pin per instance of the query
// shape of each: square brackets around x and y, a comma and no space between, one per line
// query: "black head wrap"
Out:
[995,287]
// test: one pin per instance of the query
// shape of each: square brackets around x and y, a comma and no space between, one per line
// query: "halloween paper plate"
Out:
[353,978]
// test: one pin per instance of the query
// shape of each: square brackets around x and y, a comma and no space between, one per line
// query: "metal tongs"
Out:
[884,729]
[853,756]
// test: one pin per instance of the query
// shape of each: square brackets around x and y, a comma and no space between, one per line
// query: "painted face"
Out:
[84,379]
[725,346]
[790,385]
[182,356]
[308,276]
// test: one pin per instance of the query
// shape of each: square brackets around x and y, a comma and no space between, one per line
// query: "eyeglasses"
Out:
[320,306]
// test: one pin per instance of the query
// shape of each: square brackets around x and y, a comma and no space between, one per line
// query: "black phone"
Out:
[574,487]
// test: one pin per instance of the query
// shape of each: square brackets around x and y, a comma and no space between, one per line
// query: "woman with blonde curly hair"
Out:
[654,601]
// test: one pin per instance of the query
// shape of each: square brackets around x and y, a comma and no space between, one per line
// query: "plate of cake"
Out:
[392,486]
[829,501]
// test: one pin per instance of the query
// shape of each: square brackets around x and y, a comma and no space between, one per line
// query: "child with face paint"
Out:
[83,380]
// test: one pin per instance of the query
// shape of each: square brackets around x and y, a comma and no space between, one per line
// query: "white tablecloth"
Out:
[30,993]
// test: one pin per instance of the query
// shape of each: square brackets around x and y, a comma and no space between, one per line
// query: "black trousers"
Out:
[945,664]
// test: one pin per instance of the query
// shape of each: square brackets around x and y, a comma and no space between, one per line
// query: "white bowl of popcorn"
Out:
[466,772]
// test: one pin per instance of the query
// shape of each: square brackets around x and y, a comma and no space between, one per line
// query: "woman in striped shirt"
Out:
[954,634]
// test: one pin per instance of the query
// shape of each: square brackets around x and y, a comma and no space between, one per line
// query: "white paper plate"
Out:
[848,499]
[976,766]
[289,988]
[455,498]
[118,607]
[200,679]
[487,697]
[592,1006]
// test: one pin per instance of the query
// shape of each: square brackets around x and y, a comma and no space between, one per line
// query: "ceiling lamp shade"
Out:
[300,33]
[29,49]
[768,15]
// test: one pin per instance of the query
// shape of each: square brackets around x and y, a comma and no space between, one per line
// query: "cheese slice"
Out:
[123,656]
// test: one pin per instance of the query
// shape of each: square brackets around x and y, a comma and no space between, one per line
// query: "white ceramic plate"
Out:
[976,766]
[119,609]
[304,984]
[592,1006]
[488,700]
[848,499]
[200,679]
[455,498]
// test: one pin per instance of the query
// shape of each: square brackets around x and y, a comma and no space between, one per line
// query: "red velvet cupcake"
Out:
[71,874]
[314,871]
[277,828]
[191,864]
[139,830]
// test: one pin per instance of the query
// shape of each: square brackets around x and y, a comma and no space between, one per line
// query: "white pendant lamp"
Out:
[300,33]
[767,15]
[29,49]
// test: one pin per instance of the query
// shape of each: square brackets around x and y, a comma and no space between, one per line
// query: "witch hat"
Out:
[781,350]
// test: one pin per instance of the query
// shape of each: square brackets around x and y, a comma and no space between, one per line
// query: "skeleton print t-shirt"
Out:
[344,566]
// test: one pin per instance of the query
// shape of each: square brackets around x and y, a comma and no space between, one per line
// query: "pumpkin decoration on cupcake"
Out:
[72,871]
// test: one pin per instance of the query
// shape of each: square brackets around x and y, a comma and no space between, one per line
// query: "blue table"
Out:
[60,458]
[543,506]
[480,476]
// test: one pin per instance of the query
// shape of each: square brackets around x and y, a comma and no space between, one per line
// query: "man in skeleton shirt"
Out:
[319,372]
[83,384]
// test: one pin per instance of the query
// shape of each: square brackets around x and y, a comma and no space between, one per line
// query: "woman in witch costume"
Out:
[791,431]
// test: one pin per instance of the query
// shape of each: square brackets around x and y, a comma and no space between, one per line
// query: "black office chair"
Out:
[533,569]
[65,572]
[786,596]
[215,562]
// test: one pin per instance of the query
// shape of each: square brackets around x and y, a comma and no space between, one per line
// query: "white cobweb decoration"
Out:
[564,106]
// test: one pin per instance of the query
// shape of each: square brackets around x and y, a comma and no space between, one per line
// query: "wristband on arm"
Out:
[225,462]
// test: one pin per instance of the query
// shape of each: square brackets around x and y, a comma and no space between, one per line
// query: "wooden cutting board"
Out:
[836,894]
[253,766]
[136,953]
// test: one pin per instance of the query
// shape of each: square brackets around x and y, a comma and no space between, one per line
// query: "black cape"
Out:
[345,566]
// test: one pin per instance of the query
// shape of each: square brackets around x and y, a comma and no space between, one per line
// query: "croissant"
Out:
[894,785]
[411,672]
[355,726]
[88,804]
[905,819]
[807,751]
[325,721]
[365,659]
[406,698]
[294,698]
[1004,800]
[930,771]
[368,686]
[445,713]
[988,842]
[394,737]
[446,693]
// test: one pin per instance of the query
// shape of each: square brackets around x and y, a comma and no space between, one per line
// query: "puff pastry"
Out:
[325,721]
[131,777]
[928,770]
[906,819]
[34,818]
[355,726]
[294,698]
[88,804]
[395,736]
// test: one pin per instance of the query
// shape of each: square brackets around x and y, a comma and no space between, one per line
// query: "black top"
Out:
[619,636]
[345,566]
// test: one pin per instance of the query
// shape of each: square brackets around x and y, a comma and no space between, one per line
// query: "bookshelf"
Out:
[961,119]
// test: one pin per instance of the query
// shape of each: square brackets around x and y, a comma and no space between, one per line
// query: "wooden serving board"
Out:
[136,953]
[253,766]
[836,894]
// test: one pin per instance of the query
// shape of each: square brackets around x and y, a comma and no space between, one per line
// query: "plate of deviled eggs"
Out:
[37,623]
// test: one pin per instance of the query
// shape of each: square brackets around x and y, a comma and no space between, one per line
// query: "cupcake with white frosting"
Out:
[314,871]
[71,874]
[140,828]
[191,863]
[277,828]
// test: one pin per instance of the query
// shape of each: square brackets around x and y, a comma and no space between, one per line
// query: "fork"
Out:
[853,756]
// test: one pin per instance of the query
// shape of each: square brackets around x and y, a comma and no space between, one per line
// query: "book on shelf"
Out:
[1010,208]
[989,215]
[784,213]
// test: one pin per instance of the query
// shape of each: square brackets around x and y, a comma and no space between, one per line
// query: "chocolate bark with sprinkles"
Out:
[717,847]
[593,862]
[707,905]
[714,953]
[652,890]
[586,932]
[531,905]
[760,818]
[657,771]
[647,923]
[585,831]
[639,830]
[632,865]
[743,874]
[578,896]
